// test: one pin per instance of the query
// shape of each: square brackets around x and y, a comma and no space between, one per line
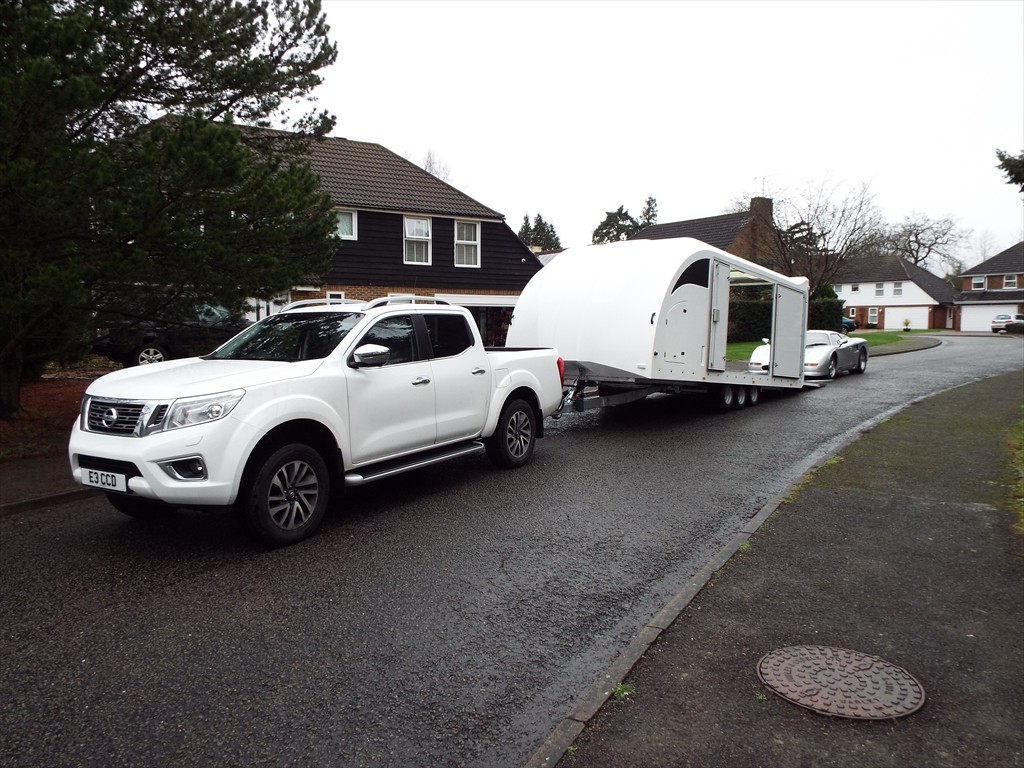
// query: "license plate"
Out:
[108,481]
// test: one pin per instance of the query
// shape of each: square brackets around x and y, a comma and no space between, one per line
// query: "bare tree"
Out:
[928,243]
[816,234]
[433,165]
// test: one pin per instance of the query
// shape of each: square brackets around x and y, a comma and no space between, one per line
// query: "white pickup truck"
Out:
[320,395]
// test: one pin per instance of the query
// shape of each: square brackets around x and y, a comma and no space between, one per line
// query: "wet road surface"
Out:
[451,617]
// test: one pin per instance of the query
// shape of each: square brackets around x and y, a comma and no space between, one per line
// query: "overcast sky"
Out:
[570,109]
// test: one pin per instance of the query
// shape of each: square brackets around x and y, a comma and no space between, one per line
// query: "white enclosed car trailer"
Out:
[643,316]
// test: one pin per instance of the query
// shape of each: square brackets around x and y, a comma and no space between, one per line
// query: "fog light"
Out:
[189,468]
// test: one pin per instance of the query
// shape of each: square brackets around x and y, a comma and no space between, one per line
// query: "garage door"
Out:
[980,318]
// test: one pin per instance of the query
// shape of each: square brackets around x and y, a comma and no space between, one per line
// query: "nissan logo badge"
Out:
[109,418]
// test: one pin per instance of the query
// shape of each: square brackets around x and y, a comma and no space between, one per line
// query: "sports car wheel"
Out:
[514,438]
[862,362]
[289,495]
[832,367]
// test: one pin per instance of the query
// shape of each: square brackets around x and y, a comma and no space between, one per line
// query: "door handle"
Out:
[478,371]
[419,381]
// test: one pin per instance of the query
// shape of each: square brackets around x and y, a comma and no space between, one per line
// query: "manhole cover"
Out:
[840,682]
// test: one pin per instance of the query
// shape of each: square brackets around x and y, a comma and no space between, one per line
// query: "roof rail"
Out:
[404,299]
[309,302]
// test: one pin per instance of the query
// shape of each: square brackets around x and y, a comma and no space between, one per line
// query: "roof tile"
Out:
[1008,262]
[717,231]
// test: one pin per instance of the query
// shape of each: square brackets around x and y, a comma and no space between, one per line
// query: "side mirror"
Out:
[765,341]
[370,356]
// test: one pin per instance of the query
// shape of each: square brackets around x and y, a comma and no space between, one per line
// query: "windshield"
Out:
[289,337]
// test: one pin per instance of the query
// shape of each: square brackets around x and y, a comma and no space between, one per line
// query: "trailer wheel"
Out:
[721,396]
[739,397]
[514,438]
[753,396]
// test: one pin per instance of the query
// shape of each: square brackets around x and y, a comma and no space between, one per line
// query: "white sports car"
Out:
[826,354]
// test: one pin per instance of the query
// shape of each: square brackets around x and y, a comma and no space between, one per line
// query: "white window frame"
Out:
[417,238]
[872,315]
[474,243]
[879,289]
[855,288]
[355,223]
[1010,281]
[335,295]
[838,289]
[897,288]
[853,312]
[977,282]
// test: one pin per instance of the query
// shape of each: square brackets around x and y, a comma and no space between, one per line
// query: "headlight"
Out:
[198,410]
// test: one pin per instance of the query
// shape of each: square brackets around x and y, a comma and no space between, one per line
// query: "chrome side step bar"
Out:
[366,475]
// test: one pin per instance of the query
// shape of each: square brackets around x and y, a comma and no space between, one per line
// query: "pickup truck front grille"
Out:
[115,417]
[127,418]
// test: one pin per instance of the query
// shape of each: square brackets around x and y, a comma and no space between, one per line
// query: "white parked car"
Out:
[826,354]
[999,322]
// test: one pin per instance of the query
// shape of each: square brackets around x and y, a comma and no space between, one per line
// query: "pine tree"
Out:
[128,184]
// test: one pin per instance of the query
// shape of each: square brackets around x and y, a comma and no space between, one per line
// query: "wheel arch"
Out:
[306,431]
[527,394]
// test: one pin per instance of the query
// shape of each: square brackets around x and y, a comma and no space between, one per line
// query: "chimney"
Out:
[761,208]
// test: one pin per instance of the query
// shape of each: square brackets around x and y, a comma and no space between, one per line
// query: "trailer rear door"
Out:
[719,326]
[788,327]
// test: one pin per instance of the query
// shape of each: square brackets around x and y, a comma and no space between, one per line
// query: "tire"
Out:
[148,354]
[739,397]
[722,396]
[133,506]
[862,362]
[753,396]
[289,495]
[833,366]
[511,446]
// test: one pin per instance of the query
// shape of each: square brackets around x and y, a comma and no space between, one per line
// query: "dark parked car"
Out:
[150,341]
[849,324]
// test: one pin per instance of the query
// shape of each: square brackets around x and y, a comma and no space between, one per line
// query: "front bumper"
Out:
[219,445]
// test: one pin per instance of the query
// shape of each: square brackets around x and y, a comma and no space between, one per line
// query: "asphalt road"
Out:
[449,618]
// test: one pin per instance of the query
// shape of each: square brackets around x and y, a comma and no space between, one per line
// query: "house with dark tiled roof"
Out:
[403,231]
[890,292]
[994,287]
[747,234]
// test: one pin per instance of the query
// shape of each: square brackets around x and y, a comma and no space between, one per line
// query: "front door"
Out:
[391,407]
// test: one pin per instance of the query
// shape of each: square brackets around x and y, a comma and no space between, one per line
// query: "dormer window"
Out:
[417,241]
[1009,281]
[977,282]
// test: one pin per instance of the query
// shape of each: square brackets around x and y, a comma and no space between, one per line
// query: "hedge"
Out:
[752,320]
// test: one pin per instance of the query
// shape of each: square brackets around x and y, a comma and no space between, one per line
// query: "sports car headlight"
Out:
[190,411]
